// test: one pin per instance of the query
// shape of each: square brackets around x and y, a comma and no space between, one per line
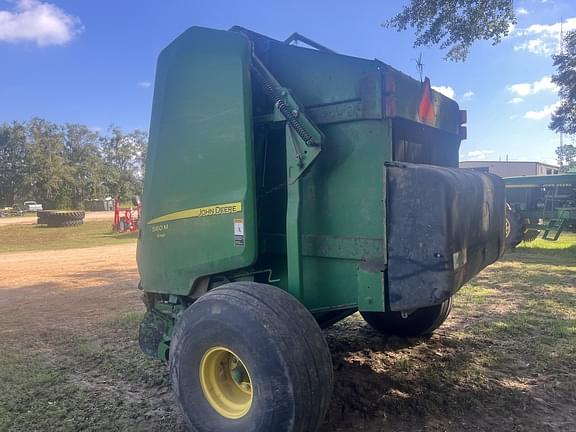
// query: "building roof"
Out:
[509,162]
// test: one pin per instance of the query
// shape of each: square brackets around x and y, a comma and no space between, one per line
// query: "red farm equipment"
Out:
[126,219]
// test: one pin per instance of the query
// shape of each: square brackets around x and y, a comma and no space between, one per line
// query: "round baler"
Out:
[287,188]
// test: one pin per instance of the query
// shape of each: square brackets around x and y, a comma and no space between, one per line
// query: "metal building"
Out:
[511,168]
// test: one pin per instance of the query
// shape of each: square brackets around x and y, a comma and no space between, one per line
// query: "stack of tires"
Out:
[59,218]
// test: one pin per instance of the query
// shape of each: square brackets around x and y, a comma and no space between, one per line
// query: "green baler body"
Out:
[229,195]
[200,154]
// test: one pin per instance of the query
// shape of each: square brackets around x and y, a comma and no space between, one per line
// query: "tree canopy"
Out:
[454,25]
[564,117]
[61,166]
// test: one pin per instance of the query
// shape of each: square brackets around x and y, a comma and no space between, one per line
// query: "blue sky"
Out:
[93,62]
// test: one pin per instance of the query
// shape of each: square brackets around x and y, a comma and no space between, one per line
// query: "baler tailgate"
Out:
[199,187]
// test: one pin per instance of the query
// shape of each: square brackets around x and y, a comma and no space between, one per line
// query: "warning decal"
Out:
[238,232]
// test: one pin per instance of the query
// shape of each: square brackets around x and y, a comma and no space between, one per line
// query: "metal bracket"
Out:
[297,37]
[303,138]
[554,228]
[303,145]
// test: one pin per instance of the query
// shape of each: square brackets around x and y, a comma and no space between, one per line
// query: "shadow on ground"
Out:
[504,361]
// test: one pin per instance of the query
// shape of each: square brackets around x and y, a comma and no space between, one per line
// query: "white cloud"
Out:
[445,90]
[543,39]
[522,11]
[516,100]
[38,22]
[525,89]
[145,84]
[543,113]
[522,89]
[550,29]
[536,46]
[544,84]
[478,155]
[468,95]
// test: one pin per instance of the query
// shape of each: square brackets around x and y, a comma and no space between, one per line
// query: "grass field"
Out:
[29,237]
[504,361]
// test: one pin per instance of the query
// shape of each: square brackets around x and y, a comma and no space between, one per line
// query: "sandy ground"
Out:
[59,289]
[32,218]
[472,381]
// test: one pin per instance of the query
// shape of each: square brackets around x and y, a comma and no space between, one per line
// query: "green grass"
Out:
[27,237]
[83,383]
[128,321]
[92,380]
[503,362]
[567,241]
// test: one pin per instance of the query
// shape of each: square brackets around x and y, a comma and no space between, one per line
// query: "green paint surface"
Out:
[216,138]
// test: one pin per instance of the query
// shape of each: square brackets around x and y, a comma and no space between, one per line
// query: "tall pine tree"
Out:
[564,118]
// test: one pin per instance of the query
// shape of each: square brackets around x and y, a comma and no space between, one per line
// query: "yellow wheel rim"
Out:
[226,383]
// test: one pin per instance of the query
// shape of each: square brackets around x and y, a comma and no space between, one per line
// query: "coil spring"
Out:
[284,109]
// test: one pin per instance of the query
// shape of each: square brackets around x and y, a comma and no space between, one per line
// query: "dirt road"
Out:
[66,288]
[31,219]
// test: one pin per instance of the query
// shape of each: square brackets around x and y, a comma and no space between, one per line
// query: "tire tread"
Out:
[304,351]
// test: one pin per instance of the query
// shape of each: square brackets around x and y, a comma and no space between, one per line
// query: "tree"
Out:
[61,166]
[564,117]
[13,158]
[83,156]
[566,155]
[124,156]
[50,174]
[455,24]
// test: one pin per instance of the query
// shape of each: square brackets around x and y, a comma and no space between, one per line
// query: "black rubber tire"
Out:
[63,223]
[421,322]
[61,214]
[42,217]
[57,218]
[281,345]
[67,215]
[515,228]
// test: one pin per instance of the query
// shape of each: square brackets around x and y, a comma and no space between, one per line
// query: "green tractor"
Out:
[286,188]
[540,204]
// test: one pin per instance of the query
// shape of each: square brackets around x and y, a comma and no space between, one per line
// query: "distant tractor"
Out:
[540,204]
[287,188]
